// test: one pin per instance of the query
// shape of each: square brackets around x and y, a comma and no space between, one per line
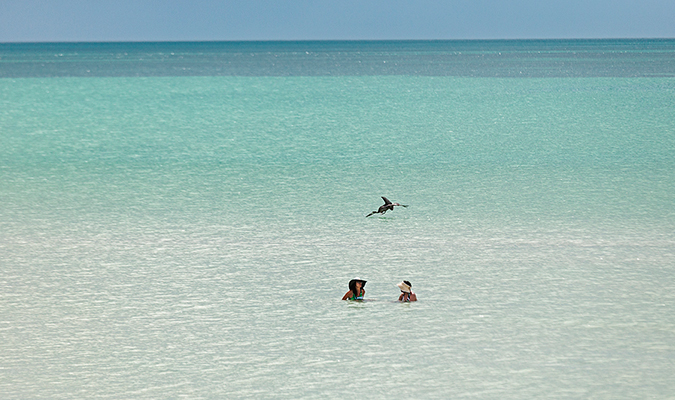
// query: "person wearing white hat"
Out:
[406,292]
[356,291]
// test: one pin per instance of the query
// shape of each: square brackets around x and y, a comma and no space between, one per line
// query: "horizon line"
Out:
[333,40]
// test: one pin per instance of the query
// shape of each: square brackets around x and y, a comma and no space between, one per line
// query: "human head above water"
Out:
[405,286]
[352,284]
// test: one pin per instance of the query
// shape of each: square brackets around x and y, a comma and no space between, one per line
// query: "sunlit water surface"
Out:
[169,236]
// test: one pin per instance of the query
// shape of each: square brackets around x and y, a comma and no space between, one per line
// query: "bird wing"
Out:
[386,200]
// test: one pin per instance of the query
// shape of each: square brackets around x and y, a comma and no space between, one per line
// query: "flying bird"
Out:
[387,206]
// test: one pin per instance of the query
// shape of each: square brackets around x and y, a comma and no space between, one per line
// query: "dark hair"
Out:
[407,294]
[352,287]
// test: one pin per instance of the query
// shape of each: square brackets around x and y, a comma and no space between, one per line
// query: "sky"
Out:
[201,20]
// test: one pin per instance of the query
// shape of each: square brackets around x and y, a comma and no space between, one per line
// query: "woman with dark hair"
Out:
[356,291]
[406,292]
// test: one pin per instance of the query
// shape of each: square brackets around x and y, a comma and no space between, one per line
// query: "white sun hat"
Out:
[405,286]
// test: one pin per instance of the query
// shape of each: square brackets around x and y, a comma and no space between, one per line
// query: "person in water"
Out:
[356,291]
[406,292]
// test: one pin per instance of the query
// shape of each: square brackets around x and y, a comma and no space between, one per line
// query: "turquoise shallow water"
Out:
[191,236]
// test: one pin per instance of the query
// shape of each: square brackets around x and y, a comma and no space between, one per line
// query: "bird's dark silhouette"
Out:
[387,206]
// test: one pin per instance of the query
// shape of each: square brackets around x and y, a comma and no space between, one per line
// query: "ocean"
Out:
[181,220]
